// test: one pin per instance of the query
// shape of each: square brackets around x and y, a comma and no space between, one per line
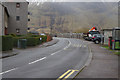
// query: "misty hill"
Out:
[73,16]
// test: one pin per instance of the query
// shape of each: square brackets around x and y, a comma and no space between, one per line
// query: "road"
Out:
[60,60]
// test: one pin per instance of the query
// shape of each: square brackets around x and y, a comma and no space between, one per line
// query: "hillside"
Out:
[72,16]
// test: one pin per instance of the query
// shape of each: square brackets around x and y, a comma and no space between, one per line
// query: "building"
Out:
[1,17]
[4,16]
[106,33]
[18,19]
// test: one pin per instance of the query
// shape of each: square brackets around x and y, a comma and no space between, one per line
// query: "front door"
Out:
[5,31]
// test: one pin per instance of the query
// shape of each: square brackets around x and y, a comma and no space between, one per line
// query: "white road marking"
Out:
[75,45]
[78,46]
[67,45]
[84,45]
[8,71]
[56,52]
[37,60]
[40,59]
[51,54]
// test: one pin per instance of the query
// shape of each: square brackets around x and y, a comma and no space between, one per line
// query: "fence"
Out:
[70,35]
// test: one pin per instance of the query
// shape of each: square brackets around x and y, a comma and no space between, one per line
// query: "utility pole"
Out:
[52,18]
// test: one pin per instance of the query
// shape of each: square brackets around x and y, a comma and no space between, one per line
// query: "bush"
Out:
[13,35]
[44,38]
[7,43]
[35,36]
[32,41]
[0,43]
[20,35]
[37,40]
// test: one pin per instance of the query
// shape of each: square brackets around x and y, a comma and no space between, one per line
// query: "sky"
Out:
[60,0]
[73,0]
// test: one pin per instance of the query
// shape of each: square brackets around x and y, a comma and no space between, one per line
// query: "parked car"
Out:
[97,38]
[91,33]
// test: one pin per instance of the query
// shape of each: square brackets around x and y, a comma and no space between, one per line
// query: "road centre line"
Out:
[51,54]
[37,60]
[8,71]
[56,52]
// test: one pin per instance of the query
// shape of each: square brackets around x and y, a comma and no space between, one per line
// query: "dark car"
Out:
[97,38]
[91,33]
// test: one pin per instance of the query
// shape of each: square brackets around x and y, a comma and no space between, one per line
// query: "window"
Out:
[28,19]
[18,30]
[17,18]
[28,13]
[18,5]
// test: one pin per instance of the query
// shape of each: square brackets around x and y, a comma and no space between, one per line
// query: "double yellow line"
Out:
[66,74]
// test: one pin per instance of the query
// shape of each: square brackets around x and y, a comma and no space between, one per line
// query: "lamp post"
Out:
[52,18]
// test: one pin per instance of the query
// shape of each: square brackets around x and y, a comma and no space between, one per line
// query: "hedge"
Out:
[32,41]
[0,43]
[44,38]
[12,40]
[7,43]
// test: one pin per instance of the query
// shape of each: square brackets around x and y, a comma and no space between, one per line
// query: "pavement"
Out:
[5,54]
[104,65]
[54,41]
[59,61]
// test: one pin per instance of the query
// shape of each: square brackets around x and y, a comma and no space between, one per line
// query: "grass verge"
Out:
[116,52]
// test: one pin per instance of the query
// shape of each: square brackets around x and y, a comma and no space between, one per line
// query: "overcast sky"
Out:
[60,0]
[74,0]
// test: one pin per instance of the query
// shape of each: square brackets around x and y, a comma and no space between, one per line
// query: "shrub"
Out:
[35,36]
[13,35]
[0,43]
[44,38]
[32,41]
[37,40]
[7,43]
[20,35]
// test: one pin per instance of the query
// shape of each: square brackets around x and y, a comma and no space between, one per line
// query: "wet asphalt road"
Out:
[48,62]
